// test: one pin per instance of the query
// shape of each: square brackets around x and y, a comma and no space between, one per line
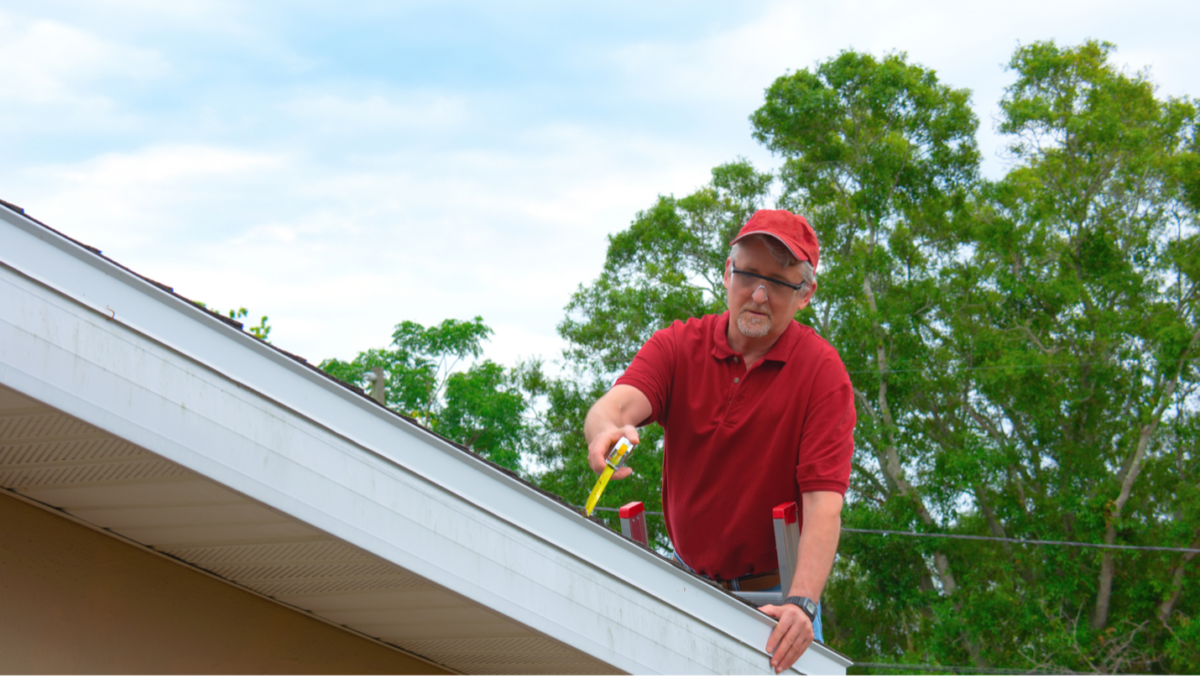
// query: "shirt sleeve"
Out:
[827,442]
[652,371]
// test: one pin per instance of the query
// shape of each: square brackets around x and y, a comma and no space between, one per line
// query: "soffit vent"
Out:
[285,589]
[17,427]
[289,553]
[78,450]
[303,573]
[76,474]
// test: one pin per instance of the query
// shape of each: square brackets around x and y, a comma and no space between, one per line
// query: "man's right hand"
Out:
[603,442]
[613,416]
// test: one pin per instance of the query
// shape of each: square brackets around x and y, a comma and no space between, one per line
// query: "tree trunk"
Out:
[1107,565]
[894,472]
[1107,559]
[1168,605]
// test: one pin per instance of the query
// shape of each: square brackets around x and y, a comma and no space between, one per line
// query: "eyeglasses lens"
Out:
[775,290]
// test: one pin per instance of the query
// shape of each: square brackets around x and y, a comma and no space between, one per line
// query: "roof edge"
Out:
[132,300]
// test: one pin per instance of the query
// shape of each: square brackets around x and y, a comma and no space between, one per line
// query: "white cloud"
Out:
[732,64]
[49,62]
[319,112]
[157,196]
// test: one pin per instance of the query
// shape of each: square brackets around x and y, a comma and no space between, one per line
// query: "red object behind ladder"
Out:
[787,542]
[633,522]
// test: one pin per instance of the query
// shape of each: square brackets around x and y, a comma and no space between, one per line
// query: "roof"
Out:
[128,408]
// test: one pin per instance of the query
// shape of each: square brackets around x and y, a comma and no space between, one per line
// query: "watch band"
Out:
[807,605]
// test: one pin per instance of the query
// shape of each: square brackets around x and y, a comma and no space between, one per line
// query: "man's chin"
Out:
[753,326]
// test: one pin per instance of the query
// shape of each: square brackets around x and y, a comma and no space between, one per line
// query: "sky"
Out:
[343,167]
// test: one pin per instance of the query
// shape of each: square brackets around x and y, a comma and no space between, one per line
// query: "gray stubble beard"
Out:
[748,329]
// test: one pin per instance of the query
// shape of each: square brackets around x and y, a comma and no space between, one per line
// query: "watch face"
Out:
[810,607]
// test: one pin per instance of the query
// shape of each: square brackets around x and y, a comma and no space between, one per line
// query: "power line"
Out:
[959,669]
[1045,366]
[988,538]
[876,371]
[956,669]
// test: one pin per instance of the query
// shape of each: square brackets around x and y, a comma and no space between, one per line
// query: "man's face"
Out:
[758,310]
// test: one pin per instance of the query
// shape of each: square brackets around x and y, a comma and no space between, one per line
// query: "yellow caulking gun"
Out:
[616,459]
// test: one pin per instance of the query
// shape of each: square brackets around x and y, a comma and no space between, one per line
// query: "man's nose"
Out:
[759,295]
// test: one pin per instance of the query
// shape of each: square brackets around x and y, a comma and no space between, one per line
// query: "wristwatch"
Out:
[807,605]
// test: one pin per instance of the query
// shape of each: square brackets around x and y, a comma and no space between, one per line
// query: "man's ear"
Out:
[809,291]
[728,267]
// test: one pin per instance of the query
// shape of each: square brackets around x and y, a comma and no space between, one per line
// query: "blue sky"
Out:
[343,167]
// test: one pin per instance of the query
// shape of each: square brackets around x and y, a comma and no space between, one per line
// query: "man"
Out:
[758,411]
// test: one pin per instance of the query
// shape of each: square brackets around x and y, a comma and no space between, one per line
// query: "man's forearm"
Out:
[602,415]
[818,543]
[622,406]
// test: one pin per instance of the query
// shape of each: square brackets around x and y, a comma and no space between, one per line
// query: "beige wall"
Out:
[75,601]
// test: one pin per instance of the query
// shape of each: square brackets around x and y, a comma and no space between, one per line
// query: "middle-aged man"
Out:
[758,411]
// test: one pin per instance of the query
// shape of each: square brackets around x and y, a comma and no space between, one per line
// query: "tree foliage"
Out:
[1023,353]
[262,331]
[1021,350]
[1072,327]
[482,407]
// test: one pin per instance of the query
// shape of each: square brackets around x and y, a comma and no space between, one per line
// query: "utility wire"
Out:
[1046,366]
[959,669]
[956,669]
[988,538]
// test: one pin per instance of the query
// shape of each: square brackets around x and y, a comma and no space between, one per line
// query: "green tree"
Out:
[417,364]
[485,411]
[262,331]
[1077,313]
[481,407]
[882,156]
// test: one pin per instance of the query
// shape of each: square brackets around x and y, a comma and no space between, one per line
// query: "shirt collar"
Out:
[780,351]
[721,350]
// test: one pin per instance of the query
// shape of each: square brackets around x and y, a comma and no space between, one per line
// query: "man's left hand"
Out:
[792,635]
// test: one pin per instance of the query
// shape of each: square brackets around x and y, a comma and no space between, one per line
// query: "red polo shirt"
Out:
[739,443]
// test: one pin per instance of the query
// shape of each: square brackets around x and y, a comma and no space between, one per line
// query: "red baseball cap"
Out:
[791,230]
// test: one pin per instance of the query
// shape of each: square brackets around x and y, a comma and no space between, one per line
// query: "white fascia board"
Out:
[154,369]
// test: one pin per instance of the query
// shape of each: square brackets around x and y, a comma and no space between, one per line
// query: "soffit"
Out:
[115,486]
